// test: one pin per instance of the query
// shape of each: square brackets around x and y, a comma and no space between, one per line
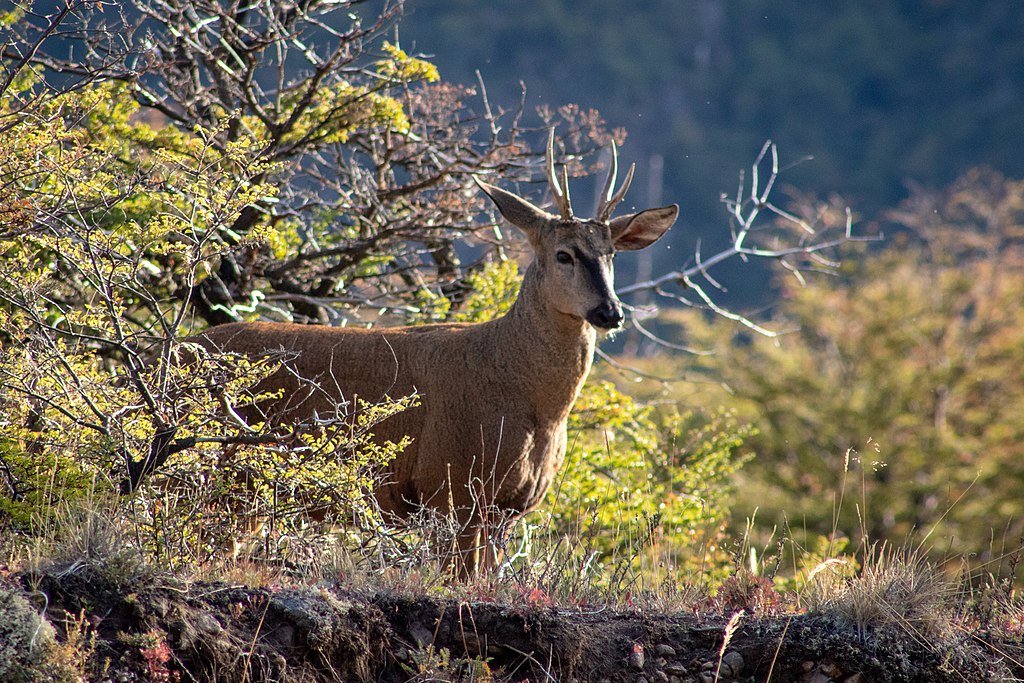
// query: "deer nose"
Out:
[607,316]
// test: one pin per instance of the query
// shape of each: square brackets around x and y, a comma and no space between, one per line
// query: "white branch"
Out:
[744,211]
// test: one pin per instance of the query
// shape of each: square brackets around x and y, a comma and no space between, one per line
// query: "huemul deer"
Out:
[490,431]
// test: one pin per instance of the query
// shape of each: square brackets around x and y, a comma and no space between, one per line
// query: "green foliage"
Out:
[111,220]
[402,68]
[127,205]
[914,358]
[35,482]
[644,483]
[79,300]
[488,293]
[492,292]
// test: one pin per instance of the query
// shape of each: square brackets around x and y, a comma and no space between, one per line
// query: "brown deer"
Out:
[490,431]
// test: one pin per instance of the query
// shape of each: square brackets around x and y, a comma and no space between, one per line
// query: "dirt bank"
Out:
[164,631]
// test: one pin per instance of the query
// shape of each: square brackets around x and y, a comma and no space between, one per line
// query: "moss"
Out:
[26,641]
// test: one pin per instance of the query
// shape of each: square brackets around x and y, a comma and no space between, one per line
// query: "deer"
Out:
[489,433]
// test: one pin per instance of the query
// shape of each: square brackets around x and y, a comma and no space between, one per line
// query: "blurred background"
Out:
[882,95]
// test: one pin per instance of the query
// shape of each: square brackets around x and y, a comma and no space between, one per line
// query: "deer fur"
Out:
[490,431]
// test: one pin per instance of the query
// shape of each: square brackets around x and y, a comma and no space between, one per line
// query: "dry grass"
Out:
[896,598]
[896,589]
[94,537]
[883,592]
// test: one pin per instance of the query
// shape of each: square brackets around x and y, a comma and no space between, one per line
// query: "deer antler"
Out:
[608,200]
[559,187]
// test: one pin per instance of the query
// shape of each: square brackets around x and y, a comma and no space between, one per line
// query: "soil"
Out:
[221,632]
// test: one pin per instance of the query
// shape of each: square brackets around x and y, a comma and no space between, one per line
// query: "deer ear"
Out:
[516,210]
[639,230]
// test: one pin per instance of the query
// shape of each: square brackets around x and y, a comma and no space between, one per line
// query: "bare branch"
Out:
[804,252]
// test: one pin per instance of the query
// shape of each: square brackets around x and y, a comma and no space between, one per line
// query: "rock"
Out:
[421,634]
[676,669]
[207,624]
[660,662]
[315,617]
[663,650]
[636,656]
[732,664]
[641,679]
[674,679]
[707,677]
[816,677]
[159,607]
[856,678]
[283,636]
[661,676]
[830,670]
[707,666]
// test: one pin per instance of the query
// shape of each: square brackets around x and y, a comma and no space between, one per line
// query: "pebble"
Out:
[663,650]
[676,669]
[636,656]
[830,669]
[661,676]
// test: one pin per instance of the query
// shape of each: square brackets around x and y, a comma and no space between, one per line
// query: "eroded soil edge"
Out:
[221,632]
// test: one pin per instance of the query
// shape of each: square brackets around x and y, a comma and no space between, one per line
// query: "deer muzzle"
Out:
[607,316]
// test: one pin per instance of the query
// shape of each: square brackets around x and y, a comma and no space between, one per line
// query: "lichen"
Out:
[26,639]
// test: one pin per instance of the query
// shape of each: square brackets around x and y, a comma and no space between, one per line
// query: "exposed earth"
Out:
[165,631]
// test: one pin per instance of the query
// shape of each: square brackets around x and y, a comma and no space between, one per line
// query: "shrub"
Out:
[900,386]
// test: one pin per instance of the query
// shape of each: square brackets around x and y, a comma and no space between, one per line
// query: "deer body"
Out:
[490,431]
[494,396]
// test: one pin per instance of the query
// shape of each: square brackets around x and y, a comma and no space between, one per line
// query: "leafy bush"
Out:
[645,485]
[113,221]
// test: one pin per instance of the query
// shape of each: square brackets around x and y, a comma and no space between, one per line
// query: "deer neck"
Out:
[548,352]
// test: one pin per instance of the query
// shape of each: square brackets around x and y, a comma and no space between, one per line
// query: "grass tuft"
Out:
[897,590]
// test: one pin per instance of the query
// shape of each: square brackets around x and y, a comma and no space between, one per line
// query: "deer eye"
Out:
[563,257]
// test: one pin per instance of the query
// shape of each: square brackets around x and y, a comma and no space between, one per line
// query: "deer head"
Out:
[573,256]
